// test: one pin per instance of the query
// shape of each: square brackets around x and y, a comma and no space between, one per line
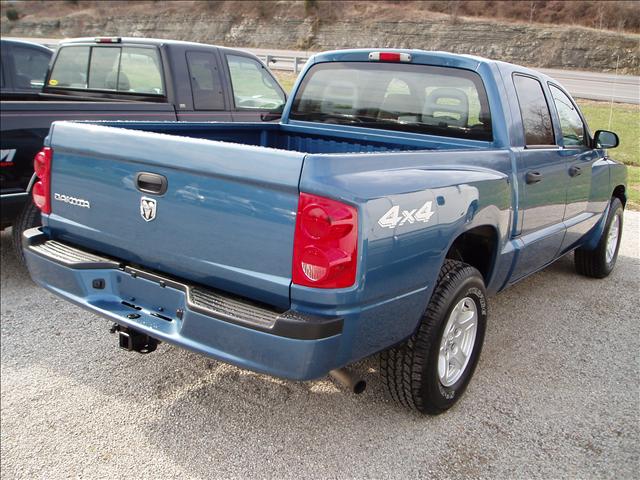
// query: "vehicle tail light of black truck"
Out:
[325,246]
[41,191]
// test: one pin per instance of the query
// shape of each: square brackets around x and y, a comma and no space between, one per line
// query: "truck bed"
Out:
[233,193]
[299,138]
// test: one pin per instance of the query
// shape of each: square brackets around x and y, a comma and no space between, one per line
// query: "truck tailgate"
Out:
[226,219]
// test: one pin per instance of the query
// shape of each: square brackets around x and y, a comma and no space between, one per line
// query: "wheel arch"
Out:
[620,193]
[478,247]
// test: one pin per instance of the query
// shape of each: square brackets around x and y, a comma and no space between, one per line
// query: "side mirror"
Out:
[605,139]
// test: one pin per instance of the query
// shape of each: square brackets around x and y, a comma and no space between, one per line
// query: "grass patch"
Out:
[633,199]
[286,79]
[625,121]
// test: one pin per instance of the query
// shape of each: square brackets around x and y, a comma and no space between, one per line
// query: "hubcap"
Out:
[458,339]
[612,238]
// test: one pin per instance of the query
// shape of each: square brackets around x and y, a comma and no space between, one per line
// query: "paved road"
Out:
[556,395]
[589,85]
[598,86]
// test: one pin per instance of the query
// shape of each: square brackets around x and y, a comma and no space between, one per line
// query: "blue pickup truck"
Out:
[400,188]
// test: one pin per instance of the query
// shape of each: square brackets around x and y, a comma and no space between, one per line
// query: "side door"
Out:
[542,179]
[579,215]
[255,93]
[207,89]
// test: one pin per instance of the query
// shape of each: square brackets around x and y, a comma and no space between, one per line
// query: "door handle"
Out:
[533,177]
[574,171]
[151,183]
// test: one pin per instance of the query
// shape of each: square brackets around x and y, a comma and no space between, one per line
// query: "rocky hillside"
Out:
[313,25]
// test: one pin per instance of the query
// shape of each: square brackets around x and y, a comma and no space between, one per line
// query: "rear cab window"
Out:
[121,69]
[424,99]
[70,68]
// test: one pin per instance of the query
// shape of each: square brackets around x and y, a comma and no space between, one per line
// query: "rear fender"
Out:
[408,219]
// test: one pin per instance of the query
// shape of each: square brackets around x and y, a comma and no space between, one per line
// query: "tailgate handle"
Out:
[151,183]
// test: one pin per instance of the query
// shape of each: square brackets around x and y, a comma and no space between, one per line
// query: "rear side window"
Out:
[31,67]
[534,110]
[570,121]
[425,99]
[253,86]
[121,69]
[205,81]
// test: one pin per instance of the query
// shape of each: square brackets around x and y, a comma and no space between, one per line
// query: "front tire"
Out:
[29,217]
[599,262]
[431,370]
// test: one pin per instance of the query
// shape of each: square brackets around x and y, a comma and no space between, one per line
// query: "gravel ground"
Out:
[556,394]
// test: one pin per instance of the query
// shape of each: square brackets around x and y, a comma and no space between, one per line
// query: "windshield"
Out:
[393,96]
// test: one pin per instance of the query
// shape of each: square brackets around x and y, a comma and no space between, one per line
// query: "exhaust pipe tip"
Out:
[346,379]
[359,387]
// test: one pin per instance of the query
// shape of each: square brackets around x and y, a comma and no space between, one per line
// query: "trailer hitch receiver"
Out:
[132,340]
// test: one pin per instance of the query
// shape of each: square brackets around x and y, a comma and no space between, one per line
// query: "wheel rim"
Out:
[458,340]
[612,238]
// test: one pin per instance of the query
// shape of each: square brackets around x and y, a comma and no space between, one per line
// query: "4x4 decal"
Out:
[395,218]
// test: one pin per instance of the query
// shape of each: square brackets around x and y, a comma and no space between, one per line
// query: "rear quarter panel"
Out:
[398,266]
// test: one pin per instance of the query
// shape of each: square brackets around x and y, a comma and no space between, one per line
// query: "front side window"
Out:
[404,97]
[253,87]
[570,121]
[31,67]
[534,110]
[121,69]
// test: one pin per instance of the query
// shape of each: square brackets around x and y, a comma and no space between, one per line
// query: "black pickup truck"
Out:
[113,78]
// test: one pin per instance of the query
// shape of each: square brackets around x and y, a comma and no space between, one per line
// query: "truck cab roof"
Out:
[145,41]
[425,57]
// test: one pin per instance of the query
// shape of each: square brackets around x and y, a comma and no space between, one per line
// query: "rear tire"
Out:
[599,262]
[418,373]
[29,217]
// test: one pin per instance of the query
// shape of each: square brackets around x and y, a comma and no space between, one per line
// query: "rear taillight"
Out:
[325,246]
[41,191]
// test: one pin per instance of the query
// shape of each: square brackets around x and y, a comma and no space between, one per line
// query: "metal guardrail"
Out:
[284,62]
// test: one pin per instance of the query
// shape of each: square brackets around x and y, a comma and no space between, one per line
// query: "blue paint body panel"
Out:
[227,219]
